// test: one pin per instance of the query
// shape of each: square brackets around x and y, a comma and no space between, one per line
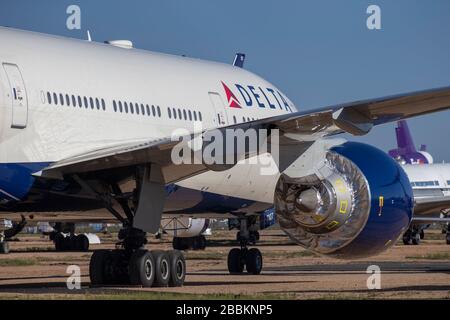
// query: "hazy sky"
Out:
[318,52]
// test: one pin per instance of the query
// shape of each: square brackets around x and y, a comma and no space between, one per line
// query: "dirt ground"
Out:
[34,270]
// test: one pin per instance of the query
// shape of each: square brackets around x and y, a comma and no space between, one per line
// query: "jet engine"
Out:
[358,203]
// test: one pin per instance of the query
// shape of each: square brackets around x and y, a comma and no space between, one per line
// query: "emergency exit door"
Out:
[17,95]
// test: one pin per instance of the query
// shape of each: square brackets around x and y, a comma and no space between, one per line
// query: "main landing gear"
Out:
[240,258]
[10,229]
[65,239]
[132,264]
[413,236]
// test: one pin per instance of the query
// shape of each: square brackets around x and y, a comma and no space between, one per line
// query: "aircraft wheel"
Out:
[447,238]
[162,268]
[407,239]
[97,267]
[235,262]
[177,268]
[60,242]
[4,247]
[415,238]
[82,242]
[142,268]
[254,261]
[180,243]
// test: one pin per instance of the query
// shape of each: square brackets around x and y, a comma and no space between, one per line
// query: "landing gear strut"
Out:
[130,263]
[251,259]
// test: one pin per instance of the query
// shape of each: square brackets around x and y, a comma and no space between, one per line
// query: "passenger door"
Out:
[220,115]
[17,95]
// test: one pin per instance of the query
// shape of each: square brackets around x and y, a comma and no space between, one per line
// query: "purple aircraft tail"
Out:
[406,151]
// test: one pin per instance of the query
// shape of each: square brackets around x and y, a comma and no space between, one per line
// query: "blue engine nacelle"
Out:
[358,203]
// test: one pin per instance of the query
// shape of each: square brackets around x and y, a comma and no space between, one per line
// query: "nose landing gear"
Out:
[240,258]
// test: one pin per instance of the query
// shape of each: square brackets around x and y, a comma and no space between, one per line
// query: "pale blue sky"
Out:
[319,52]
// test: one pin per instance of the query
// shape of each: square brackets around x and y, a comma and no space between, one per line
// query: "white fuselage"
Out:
[107,93]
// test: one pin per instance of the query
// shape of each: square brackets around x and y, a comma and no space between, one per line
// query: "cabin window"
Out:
[131,108]
[55,98]
[74,101]
[97,103]
[67,100]
[114,105]
[159,112]
[49,98]
[61,99]
[103,105]
[169,113]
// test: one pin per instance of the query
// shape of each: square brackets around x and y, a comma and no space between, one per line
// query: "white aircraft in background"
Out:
[87,126]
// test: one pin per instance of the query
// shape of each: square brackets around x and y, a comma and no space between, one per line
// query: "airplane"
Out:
[406,152]
[103,132]
[428,182]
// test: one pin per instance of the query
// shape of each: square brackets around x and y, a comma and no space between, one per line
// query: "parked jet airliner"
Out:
[88,126]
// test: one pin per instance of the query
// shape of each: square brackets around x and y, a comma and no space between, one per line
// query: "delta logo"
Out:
[262,97]
[233,102]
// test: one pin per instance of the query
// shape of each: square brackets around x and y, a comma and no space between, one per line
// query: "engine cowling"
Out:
[357,205]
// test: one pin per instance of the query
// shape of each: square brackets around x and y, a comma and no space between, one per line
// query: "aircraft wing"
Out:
[431,205]
[356,118]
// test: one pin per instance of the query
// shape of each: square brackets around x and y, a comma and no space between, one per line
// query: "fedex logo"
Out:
[262,97]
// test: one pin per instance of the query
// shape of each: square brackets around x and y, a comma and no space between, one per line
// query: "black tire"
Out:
[254,261]
[235,262]
[180,243]
[177,268]
[4,247]
[60,242]
[202,241]
[407,239]
[142,268]
[198,242]
[82,243]
[97,267]
[162,268]
[416,241]
[447,238]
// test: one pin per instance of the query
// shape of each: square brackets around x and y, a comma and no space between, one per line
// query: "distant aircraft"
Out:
[406,152]
[429,183]
[103,132]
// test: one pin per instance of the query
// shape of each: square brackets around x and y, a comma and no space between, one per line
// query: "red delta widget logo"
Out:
[263,97]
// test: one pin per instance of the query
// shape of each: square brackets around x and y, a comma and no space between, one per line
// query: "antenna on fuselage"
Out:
[89,36]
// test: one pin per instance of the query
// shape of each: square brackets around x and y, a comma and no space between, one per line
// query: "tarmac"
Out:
[33,270]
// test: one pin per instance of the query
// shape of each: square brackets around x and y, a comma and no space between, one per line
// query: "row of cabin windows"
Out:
[140,109]
[425,183]
[75,101]
[176,113]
